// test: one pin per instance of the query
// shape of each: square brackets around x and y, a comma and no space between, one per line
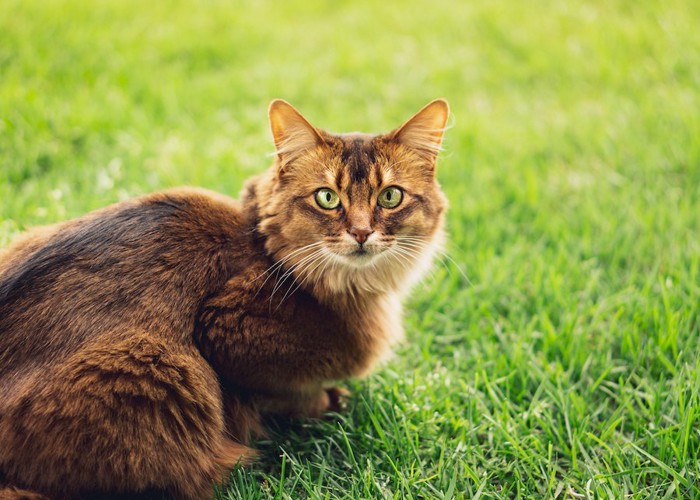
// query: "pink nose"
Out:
[360,234]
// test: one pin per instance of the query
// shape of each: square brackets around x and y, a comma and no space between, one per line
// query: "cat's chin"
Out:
[359,257]
[358,260]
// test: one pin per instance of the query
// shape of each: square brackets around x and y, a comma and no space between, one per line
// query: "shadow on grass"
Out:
[302,455]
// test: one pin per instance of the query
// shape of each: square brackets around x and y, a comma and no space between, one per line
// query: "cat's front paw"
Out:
[338,399]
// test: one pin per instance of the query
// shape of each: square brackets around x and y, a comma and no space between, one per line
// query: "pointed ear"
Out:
[292,133]
[423,131]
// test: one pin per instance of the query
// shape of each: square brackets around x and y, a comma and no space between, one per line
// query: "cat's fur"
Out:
[140,344]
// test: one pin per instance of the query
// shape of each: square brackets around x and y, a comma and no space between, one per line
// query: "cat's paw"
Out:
[12,493]
[338,399]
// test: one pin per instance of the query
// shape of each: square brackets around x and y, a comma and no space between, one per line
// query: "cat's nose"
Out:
[360,233]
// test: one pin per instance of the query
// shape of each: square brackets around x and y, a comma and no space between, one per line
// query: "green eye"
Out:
[391,197]
[327,198]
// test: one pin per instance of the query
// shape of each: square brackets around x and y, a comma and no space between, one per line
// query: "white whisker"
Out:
[291,291]
[412,253]
[287,257]
[421,243]
[459,268]
[291,270]
[277,266]
[402,261]
[399,162]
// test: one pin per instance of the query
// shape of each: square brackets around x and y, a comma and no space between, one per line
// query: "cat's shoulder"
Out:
[194,199]
[192,205]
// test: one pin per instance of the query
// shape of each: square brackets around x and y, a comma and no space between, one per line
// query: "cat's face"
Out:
[354,207]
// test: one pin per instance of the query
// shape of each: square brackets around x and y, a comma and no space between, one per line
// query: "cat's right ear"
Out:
[292,133]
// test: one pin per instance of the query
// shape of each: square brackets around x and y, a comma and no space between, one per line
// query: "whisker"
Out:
[459,268]
[411,237]
[412,244]
[328,261]
[415,254]
[291,270]
[281,281]
[277,266]
[399,162]
[403,262]
[321,164]
[412,254]
[409,254]
[281,261]
[327,258]
[291,291]
[418,242]
[303,258]
[301,271]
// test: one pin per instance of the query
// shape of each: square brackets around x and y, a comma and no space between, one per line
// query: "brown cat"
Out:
[140,344]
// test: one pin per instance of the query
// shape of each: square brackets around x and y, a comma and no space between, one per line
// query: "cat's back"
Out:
[145,263]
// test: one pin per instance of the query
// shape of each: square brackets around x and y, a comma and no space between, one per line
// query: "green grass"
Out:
[567,364]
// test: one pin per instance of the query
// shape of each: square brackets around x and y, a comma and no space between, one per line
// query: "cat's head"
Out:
[353,211]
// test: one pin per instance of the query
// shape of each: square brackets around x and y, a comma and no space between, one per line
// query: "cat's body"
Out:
[141,344]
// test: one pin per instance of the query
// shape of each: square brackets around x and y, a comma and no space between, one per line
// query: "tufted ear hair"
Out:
[423,131]
[292,133]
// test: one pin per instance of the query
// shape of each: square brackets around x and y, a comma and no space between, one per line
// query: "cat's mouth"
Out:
[355,254]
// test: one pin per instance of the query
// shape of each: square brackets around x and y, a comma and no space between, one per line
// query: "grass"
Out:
[567,364]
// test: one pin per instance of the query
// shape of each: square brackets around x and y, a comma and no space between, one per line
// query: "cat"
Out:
[141,344]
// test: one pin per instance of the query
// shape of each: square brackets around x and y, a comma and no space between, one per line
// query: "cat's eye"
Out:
[390,197]
[327,198]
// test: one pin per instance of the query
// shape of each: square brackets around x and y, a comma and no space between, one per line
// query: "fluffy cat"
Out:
[141,344]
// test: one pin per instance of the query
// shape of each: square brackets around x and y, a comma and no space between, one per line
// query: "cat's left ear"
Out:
[293,134]
[423,131]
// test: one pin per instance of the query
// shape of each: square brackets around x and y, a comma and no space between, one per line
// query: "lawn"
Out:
[555,352]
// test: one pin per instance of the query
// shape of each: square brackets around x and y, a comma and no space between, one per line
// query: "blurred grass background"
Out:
[566,365]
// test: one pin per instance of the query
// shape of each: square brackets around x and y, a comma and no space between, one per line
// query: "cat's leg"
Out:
[311,402]
[283,354]
[242,416]
[129,413]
